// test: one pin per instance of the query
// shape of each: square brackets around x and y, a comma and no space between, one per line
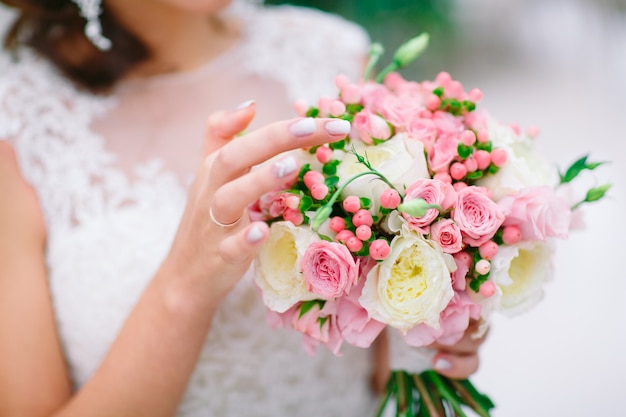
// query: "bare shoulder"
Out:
[21,218]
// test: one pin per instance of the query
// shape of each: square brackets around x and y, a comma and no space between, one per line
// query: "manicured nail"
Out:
[254,234]
[285,166]
[303,127]
[443,364]
[244,105]
[338,127]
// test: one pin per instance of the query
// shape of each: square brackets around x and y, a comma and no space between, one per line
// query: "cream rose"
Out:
[400,159]
[277,266]
[520,273]
[411,286]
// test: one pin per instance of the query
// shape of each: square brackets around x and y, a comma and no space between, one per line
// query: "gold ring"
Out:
[220,224]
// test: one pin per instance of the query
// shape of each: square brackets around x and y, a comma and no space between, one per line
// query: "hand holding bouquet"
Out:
[430,215]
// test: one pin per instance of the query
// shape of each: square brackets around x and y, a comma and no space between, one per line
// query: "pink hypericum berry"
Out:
[301,107]
[470,164]
[293,216]
[390,199]
[313,177]
[292,202]
[488,250]
[351,94]
[341,81]
[324,154]
[443,78]
[483,267]
[344,235]
[483,159]
[454,89]
[337,224]
[458,186]
[468,137]
[532,132]
[337,108]
[324,105]
[433,102]
[511,235]
[487,289]
[379,249]
[475,95]
[443,176]
[482,136]
[499,157]
[363,232]
[458,170]
[319,191]
[354,244]
[351,204]
[362,217]
[515,128]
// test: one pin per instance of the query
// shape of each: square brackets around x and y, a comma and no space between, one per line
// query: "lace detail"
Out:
[110,225]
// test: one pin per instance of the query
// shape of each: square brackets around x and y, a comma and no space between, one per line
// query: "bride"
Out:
[124,247]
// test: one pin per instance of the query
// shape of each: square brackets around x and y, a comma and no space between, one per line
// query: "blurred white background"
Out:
[559,65]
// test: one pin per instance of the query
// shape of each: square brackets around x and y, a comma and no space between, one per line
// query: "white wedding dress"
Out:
[111,174]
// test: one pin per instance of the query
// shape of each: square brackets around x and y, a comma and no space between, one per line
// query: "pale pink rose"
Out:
[477,215]
[443,152]
[476,120]
[329,269]
[448,123]
[374,95]
[453,322]
[538,212]
[400,109]
[273,203]
[448,235]
[424,130]
[371,126]
[318,326]
[463,263]
[433,192]
[355,324]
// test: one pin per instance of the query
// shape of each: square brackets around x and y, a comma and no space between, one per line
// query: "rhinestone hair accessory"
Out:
[90,10]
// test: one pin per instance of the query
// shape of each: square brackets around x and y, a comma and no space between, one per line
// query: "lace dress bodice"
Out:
[111,174]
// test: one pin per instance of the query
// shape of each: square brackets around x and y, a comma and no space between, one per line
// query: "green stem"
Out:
[469,400]
[391,67]
[446,393]
[429,404]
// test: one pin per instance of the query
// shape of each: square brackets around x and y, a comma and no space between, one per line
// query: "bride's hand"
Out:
[215,242]
[460,360]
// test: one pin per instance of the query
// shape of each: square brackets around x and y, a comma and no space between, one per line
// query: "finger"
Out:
[223,126]
[240,247]
[261,145]
[230,200]
[455,366]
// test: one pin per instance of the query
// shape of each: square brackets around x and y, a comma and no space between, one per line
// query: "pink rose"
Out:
[538,212]
[448,235]
[453,322]
[424,130]
[463,261]
[448,123]
[374,96]
[371,126]
[433,192]
[443,152]
[477,215]
[318,326]
[355,324]
[273,204]
[400,109]
[329,269]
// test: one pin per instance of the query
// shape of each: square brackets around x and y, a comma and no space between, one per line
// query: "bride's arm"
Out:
[147,368]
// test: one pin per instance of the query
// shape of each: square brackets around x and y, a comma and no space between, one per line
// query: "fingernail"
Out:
[254,234]
[338,127]
[244,105]
[303,127]
[443,364]
[285,166]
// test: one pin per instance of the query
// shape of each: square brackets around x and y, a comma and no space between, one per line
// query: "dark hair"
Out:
[55,29]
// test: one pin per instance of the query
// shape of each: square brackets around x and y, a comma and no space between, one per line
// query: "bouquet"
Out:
[429,216]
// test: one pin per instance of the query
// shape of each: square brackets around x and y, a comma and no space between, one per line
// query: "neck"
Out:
[178,40]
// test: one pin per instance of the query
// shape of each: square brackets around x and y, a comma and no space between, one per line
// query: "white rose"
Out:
[524,167]
[400,159]
[520,273]
[411,286]
[277,266]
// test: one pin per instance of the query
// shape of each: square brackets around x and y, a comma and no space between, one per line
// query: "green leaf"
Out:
[306,306]
[330,168]
[474,175]
[339,145]
[326,238]
[354,108]
[313,112]
[331,181]
[492,169]
[464,151]
[313,149]
[484,146]
[438,91]
[469,105]
[377,141]
[303,170]
[305,203]
[577,167]
[365,202]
